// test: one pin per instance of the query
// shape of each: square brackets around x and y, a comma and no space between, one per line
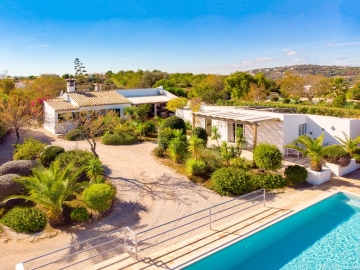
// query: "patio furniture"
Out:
[291,151]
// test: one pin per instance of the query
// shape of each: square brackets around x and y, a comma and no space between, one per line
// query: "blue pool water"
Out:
[323,236]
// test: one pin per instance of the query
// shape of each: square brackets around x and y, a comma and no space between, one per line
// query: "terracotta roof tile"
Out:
[98,98]
[59,104]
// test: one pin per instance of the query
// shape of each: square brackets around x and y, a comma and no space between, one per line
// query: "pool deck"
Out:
[183,253]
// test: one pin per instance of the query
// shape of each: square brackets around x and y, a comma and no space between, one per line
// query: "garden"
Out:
[46,185]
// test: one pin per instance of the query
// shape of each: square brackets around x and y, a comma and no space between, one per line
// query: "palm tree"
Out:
[195,145]
[348,144]
[131,112]
[309,147]
[215,134]
[95,170]
[49,187]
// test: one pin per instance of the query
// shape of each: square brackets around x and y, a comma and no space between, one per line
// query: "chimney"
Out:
[66,97]
[97,86]
[70,85]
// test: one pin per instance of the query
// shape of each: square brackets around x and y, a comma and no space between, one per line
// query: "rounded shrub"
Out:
[241,163]
[230,181]
[159,152]
[267,156]
[73,135]
[337,155]
[99,197]
[24,220]
[79,214]
[286,100]
[295,174]
[268,181]
[164,137]
[174,122]
[49,154]
[274,99]
[201,133]
[78,158]
[30,149]
[8,186]
[212,159]
[196,167]
[124,138]
[20,167]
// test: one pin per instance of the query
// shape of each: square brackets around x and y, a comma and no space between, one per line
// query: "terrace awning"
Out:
[247,118]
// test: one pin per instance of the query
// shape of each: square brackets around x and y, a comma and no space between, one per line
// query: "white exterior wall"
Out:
[354,128]
[223,129]
[50,118]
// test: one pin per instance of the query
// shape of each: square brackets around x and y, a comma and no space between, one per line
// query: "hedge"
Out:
[174,122]
[49,154]
[124,138]
[299,108]
[201,133]
[230,181]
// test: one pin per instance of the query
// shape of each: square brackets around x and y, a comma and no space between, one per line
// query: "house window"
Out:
[302,129]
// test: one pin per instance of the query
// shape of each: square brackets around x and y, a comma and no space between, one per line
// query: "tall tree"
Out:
[339,86]
[238,84]
[18,111]
[47,86]
[291,85]
[79,67]
[6,85]
[210,89]
[310,89]
[257,92]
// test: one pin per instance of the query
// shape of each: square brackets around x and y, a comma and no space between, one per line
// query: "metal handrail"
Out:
[135,242]
[195,213]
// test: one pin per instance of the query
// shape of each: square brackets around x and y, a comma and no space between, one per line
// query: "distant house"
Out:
[20,85]
[117,100]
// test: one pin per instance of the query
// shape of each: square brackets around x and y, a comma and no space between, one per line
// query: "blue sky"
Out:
[199,36]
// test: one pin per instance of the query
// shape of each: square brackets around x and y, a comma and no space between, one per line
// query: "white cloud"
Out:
[291,53]
[246,62]
[297,60]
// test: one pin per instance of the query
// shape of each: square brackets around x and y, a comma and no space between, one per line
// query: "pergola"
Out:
[252,120]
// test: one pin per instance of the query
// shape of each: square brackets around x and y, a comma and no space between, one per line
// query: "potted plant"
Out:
[314,149]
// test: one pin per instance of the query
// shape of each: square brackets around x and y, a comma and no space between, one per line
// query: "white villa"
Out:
[116,100]
[276,126]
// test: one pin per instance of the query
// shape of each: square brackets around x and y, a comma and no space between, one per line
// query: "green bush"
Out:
[30,149]
[174,122]
[8,186]
[78,158]
[79,214]
[241,163]
[268,181]
[212,159]
[339,101]
[337,155]
[200,133]
[99,197]
[195,167]
[2,131]
[286,100]
[230,181]
[188,125]
[49,154]
[125,138]
[267,156]
[295,174]
[164,137]
[159,152]
[73,135]
[24,220]
[274,99]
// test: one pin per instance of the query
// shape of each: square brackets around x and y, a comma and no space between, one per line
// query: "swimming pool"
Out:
[325,235]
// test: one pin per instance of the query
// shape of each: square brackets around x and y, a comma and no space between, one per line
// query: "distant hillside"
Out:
[351,74]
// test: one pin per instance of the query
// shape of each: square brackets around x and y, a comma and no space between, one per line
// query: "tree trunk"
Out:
[17,135]
[315,165]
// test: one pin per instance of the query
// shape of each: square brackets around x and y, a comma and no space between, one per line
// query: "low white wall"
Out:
[340,171]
